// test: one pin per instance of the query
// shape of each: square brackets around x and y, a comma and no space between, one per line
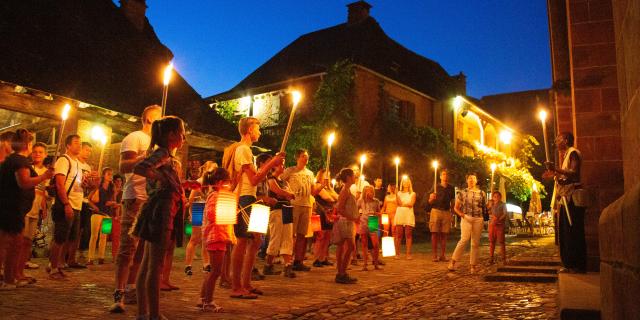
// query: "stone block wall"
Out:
[595,107]
[620,222]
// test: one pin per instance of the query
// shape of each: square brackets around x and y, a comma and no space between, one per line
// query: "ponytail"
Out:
[160,130]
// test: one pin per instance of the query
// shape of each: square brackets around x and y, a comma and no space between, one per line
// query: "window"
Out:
[405,110]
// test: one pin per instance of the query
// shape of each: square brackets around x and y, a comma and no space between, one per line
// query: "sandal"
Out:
[58,276]
[209,306]
[244,296]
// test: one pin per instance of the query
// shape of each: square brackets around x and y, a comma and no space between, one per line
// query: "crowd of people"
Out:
[149,205]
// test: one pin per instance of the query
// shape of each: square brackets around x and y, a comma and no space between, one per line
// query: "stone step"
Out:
[521,277]
[529,269]
[579,296]
[535,262]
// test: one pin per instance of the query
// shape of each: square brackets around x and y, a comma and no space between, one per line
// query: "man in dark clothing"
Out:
[573,248]
[440,201]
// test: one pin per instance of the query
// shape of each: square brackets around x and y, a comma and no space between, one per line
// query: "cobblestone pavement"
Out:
[417,288]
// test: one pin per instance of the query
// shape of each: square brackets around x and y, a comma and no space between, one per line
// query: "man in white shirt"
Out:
[81,239]
[66,209]
[238,159]
[302,184]
[132,150]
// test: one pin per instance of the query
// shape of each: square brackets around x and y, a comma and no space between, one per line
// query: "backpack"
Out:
[228,163]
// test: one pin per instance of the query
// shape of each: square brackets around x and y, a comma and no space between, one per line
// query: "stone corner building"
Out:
[106,61]
[596,71]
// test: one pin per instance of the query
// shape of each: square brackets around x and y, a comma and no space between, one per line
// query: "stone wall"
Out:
[620,222]
[595,108]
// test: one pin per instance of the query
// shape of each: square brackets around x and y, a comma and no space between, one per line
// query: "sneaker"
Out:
[77,266]
[31,265]
[206,268]
[118,305]
[130,296]
[188,271]
[300,267]
[327,263]
[345,279]
[318,264]
[288,272]
[351,279]
[100,261]
[268,271]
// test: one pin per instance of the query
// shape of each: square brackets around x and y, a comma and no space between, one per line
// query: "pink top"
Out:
[211,231]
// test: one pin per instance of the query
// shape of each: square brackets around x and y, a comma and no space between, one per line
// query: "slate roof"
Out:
[89,51]
[366,44]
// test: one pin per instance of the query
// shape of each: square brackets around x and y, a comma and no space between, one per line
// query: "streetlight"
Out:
[493,170]
[64,116]
[97,133]
[330,139]
[543,118]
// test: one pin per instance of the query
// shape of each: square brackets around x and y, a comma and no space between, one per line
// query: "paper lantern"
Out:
[197,213]
[314,221]
[226,208]
[188,229]
[107,225]
[373,223]
[388,247]
[385,219]
[259,219]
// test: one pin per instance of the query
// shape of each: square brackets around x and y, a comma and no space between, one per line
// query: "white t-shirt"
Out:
[300,184]
[76,194]
[244,156]
[135,186]
[39,200]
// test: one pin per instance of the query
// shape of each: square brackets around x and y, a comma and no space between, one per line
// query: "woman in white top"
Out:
[405,220]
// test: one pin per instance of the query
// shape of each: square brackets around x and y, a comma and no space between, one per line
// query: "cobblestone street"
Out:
[415,288]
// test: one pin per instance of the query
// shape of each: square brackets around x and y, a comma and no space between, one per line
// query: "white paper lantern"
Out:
[388,247]
[259,219]
[226,208]
[385,219]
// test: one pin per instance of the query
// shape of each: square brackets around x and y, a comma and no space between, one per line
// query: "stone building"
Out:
[595,48]
[386,74]
[106,62]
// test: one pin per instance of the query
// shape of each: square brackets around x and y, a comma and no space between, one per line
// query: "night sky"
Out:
[502,46]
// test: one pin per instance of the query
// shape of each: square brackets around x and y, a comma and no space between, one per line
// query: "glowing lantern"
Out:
[226,208]
[388,247]
[314,222]
[188,229]
[385,219]
[107,226]
[197,212]
[373,223]
[259,219]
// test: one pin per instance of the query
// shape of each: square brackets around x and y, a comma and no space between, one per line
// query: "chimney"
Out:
[358,12]
[135,11]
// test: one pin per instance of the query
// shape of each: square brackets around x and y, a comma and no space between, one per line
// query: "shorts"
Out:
[280,235]
[496,233]
[217,246]
[240,228]
[342,229]
[440,221]
[30,227]
[301,216]
[65,229]
[128,243]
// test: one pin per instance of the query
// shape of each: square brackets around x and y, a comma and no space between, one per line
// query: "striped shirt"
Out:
[472,202]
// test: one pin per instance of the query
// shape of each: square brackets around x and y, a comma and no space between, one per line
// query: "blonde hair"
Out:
[245,124]
[402,184]
[145,113]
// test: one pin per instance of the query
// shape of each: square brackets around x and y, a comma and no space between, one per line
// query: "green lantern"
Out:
[107,225]
[373,223]
[188,229]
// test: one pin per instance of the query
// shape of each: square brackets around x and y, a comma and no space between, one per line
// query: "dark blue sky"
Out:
[501,46]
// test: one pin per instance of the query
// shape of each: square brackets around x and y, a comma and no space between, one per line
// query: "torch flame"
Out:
[363,158]
[65,112]
[331,138]
[296,96]
[167,73]
[542,115]
[396,160]
[435,164]
[493,167]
